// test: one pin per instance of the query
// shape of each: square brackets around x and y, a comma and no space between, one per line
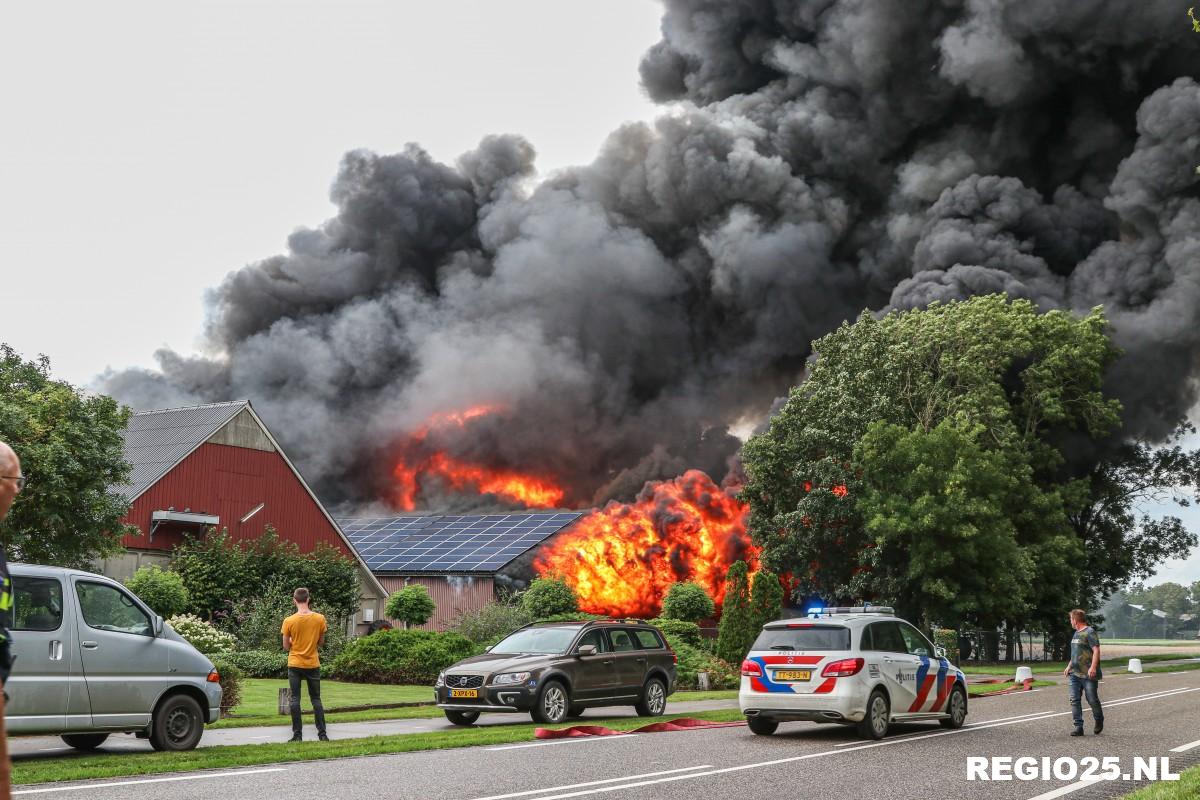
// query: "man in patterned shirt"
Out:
[1084,673]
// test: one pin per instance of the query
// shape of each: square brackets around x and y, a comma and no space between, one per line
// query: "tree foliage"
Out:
[160,589]
[956,462]
[766,599]
[72,451]
[549,596]
[687,601]
[736,631]
[411,605]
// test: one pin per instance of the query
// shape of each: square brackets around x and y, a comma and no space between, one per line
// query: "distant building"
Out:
[218,466]
[457,558]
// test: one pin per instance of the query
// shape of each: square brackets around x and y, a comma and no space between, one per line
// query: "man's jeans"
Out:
[313,678]
[1091,689]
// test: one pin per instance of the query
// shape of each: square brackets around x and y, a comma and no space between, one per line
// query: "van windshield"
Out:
[542,641]
[816,637]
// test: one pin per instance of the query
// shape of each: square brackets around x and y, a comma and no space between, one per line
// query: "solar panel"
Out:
[460,543]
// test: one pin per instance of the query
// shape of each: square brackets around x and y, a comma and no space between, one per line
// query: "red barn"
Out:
[218,466]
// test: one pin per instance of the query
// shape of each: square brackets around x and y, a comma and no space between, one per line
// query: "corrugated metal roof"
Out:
[155,441]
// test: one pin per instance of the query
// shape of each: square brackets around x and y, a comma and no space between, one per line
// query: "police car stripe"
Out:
[925,682]
[943,685]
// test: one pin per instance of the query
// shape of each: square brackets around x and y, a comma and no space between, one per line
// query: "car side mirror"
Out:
[940,652]
[586,650]
[158,626]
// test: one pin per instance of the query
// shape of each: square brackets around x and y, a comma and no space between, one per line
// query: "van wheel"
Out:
[84,741]
[177,725]
[552,702]
[956,708]
[760,726]
[654,699]
[874,724]
[462,717]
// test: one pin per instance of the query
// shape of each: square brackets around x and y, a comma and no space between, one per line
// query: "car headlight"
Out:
[441,681]
[510,678]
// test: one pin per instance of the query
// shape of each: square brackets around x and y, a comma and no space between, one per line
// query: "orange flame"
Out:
[622,559]
[532,491]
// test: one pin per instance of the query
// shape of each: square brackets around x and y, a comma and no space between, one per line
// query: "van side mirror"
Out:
[939,651]
[586,650]
[158,626]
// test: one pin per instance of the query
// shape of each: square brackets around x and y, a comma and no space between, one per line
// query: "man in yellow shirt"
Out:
[304,632]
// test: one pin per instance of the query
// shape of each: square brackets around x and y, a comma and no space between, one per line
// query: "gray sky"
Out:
[149,148]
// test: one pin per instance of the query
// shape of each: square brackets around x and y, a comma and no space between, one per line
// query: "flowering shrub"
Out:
[203,636]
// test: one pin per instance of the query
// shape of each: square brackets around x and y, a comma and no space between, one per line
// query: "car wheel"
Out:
[760,726]
[462,717]
[551,704]
[84,741]
[874,724]
[576,710]
[957,708]
[178,724]
[654,699]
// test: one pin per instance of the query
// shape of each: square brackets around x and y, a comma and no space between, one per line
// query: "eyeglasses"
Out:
[20,479]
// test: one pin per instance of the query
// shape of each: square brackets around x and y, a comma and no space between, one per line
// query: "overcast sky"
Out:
[149,148]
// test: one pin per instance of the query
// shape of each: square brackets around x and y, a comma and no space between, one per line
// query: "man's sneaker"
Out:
[296,738]
[1077,732]
[1099,726]
[323,737]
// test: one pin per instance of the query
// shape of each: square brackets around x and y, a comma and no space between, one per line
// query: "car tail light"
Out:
[214,676]
[751,669]
[842,669]
[674,656]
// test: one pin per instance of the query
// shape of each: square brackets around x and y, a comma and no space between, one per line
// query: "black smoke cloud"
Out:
[817,158]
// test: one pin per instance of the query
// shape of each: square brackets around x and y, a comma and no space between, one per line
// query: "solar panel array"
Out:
[459,544]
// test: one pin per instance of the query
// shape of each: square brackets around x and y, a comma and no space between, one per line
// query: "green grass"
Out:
[1193,643]
[115,765]
[1186,788]
[1173,668]
[978,689]
[713,694]
[260,702]
[1056,667]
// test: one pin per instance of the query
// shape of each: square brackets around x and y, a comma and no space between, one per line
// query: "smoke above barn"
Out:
[457,326]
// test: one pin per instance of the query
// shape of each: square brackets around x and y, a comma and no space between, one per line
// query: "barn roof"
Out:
[155,441]
[459,544]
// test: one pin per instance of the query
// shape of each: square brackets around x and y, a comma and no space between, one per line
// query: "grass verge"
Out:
[1056,667]
[1186,788]
[260,702]
[115,765]
[983,689]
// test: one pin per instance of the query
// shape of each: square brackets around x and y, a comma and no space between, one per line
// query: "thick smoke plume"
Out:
[816,158]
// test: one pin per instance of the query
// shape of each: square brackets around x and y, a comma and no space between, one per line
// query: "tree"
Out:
[687,601]
[1170,598]
[412,605]
[160,589]
[71,448]
[736,631]
[549,596]
[1196,594]
[766,599]
[983,387]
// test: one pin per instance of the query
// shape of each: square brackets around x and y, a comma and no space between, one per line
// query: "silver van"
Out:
[92,659]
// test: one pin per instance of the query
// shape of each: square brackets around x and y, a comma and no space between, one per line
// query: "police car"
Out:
[853,666]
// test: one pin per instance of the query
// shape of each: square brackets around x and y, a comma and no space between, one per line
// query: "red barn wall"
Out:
[229,482]
[451,595]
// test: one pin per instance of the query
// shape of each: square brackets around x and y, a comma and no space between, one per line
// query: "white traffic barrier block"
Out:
[1023,674]
[1135,665]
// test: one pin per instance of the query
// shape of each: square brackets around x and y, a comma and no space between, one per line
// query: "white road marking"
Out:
[568,741]
[1064,790]
[205,776]
[886,743]
[594,783]
[1183,748]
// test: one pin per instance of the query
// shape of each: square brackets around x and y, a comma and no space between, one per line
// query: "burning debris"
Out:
[819,158]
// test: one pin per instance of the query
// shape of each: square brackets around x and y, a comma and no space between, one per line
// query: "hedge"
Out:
[259,663]
[401,656]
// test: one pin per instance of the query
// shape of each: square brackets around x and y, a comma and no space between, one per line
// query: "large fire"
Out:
[419,462]
[622,559]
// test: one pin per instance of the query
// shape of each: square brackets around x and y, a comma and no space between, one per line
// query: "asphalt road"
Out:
[1147,715]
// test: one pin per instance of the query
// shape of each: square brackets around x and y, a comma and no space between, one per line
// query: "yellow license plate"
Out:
[793,674]
[464,693]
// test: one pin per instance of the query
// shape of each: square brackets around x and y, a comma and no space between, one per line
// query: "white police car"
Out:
[854,666]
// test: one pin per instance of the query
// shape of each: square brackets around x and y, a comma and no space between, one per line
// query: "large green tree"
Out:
[736,630]
[71,449]
[924,463]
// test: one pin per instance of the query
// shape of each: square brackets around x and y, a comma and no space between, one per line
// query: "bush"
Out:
[688,632]
[258,663]
[412,605]
[160,589]
[737,630]
[202,635]
[944,637]
[687,601]
[548,597]
[692,661]
[231,685]
[490,623]
[255,621]
[401,656]
[766,599]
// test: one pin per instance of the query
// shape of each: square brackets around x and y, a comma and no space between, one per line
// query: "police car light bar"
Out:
[827,612]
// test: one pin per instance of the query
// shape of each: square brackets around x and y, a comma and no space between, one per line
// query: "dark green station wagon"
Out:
[555,670]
